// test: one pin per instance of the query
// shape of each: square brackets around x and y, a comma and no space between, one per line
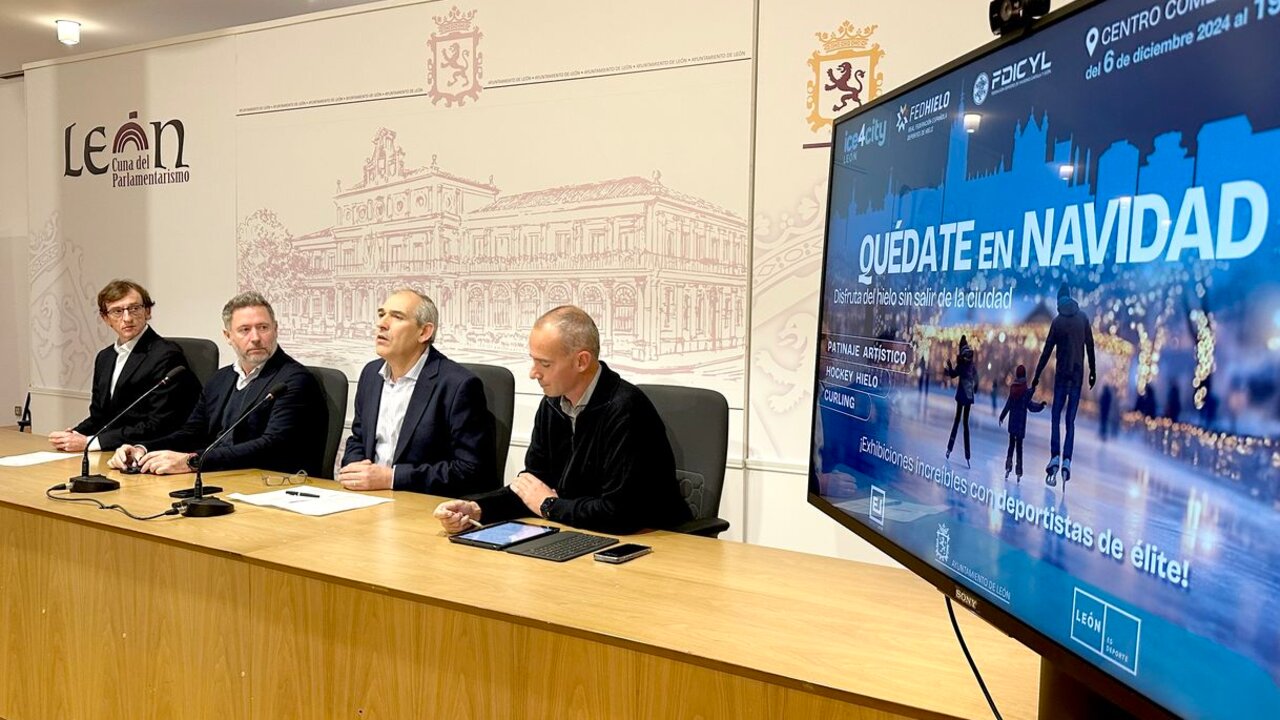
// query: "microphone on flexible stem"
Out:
[200,506]
[86,483]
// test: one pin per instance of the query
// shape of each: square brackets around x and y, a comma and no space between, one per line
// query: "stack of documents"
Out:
[309,500]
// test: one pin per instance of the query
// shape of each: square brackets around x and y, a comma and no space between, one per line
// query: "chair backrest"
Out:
[697,423]
[202,356]
[334,386]
[500,396]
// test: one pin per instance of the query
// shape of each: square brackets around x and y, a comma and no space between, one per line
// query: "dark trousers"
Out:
[1065,394]
[1015,447]
[961,409]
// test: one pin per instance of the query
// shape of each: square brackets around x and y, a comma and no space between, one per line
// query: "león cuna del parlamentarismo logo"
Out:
[139,155]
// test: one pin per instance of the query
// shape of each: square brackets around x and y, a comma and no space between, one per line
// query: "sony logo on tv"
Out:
[131,139]
[970,601]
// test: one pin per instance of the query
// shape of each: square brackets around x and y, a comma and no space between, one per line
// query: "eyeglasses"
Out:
[298,478]
[134,310]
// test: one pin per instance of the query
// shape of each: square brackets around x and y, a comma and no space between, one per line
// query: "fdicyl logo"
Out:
[139,155]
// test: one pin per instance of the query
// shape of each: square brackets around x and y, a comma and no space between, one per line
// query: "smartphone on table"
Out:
[622,553]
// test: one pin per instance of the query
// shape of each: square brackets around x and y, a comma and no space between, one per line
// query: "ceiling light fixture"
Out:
[68,32]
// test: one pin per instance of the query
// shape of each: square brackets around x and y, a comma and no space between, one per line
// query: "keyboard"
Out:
[564,545]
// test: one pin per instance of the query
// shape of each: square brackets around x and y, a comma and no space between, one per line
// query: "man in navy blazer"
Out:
[125,370]
[421,422]
[285,434]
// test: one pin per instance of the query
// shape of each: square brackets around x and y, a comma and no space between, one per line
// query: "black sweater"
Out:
[615,474]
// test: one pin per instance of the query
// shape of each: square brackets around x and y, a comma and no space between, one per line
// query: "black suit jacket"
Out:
[284,435]
[152,358]
[446,443]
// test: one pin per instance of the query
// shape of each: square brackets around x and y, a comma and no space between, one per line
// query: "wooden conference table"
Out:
[374,614]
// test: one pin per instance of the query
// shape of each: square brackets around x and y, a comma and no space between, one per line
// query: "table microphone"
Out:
[86,483]
[200,506]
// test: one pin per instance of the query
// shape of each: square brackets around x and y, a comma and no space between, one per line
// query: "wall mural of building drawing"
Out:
[662,272]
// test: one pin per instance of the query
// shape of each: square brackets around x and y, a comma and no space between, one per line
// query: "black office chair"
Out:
[697,423]
[500,396]
[202,356]
[334,386]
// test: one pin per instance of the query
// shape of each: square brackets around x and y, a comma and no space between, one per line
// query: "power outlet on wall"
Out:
[17,411]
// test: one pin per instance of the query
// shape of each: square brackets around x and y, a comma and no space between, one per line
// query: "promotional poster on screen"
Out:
[1049,352]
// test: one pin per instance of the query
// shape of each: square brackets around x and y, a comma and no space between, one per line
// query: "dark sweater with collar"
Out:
[615,473]
[284,435]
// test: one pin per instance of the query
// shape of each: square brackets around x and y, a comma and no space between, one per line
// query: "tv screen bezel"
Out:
[1052,652]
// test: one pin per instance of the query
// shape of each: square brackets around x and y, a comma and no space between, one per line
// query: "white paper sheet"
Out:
[308,500]
[35,458]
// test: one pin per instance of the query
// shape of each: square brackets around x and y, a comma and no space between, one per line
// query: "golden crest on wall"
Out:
[844,73]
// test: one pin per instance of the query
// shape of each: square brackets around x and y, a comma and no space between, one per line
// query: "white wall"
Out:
[14,316]
[278,114]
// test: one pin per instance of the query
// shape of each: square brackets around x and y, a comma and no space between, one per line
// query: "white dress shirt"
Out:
[396,395]
[242,378]
[122,357]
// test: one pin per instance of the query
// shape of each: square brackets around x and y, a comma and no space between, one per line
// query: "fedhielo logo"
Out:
[917,119]
[138,154]
[981,86]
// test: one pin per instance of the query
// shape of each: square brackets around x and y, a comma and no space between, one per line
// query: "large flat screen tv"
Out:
[1048,376]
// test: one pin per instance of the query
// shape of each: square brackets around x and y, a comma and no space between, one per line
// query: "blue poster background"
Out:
[1121,167]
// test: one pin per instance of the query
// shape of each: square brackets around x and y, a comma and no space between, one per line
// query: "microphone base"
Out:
[92,484]
[190,492]
[207,507]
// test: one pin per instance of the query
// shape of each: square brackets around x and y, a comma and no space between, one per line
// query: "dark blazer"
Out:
[152,358]
[284,435]
[446,444]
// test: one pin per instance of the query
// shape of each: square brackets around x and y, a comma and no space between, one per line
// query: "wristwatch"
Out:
[193,460]
[545,508]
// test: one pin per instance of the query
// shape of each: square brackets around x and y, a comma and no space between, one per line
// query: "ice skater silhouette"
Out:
[966,389]
[1072,337]
[1016,407]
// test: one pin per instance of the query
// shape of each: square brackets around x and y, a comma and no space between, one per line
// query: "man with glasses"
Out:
[126,369]
[286,434]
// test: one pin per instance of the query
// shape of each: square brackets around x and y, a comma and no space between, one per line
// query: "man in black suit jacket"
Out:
[285,435]
[421,422]
[124,370]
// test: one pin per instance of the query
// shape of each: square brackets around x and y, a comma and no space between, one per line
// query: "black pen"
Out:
[300,493]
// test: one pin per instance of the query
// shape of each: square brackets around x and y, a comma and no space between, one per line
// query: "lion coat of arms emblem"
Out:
[455,66]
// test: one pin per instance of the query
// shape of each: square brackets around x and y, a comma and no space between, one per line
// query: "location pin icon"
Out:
[1091,40]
